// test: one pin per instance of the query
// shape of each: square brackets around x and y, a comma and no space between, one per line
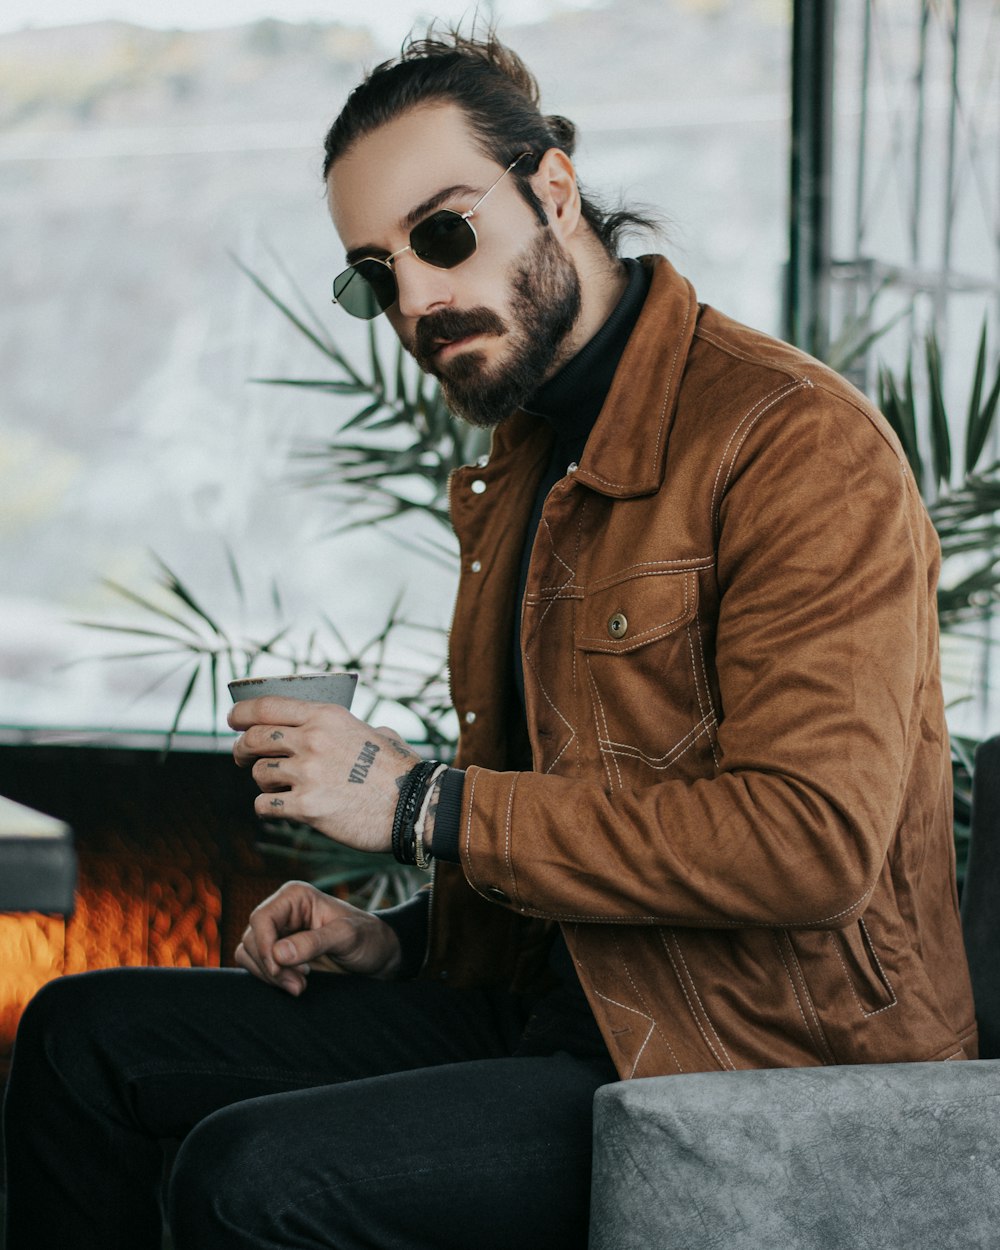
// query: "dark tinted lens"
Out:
[365,289]
[444,239]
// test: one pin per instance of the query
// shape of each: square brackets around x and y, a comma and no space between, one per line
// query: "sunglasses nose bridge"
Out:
[390,261]
[421,287]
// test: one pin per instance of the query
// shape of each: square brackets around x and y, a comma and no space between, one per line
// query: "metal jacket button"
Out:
[494,892]
[618,625]
[478,486]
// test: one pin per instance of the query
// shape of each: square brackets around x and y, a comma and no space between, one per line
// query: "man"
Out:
[700,817]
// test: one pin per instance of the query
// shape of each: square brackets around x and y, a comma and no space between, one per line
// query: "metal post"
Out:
[809,252]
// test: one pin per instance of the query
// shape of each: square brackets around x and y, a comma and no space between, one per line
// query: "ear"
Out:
[554,183]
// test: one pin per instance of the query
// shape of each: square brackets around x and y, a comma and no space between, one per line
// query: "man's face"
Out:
[497,325]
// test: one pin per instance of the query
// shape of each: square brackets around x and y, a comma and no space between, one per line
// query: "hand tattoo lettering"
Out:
[277,802]
[362,764]
[277,736]
[274,763]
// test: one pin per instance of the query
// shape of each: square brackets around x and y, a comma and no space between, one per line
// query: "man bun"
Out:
[500,98]
[563,132]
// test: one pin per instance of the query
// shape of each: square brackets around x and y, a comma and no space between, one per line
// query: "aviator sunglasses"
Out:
[444,240]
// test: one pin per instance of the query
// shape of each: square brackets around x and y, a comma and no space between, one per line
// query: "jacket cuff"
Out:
[448,819]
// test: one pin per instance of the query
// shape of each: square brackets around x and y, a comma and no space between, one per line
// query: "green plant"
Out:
[181,628]
[393,457]
[963,496]
[389,461]
[963,499]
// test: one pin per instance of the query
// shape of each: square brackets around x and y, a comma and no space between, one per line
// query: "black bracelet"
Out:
[411,795]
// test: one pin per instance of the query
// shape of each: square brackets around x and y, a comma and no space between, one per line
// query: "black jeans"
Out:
[363,1114]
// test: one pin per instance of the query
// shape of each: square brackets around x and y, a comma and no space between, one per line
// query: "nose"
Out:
[422,287]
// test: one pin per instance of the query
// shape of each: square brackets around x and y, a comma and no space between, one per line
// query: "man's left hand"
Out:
[317,764]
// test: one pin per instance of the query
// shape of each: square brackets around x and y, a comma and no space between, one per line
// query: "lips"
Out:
[443,348]
[443,335]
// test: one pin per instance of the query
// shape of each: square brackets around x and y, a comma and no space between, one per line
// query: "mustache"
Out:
[450,324]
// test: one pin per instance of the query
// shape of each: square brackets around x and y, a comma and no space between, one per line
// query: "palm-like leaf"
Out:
[966,514]
[394,455]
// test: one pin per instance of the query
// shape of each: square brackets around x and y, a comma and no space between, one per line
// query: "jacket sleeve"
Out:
[825,659]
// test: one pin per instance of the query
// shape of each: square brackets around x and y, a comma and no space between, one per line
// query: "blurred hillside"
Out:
[134,162]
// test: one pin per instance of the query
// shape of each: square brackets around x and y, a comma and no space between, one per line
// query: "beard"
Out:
[545,305]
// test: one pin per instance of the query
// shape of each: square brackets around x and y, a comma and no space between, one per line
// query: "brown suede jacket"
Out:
[738,800]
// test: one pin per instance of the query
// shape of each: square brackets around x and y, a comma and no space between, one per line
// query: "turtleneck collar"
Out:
[571,400]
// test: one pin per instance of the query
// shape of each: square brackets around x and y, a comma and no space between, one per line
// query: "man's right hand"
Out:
[300,928]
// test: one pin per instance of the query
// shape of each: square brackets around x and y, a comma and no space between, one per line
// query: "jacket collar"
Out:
[626,452]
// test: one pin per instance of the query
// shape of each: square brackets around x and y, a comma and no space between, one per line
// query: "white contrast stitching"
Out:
[687,997]
[603,721]
[634,640]
[694,990]
[697,691]
[652,1023]
[708,689]
[820,1041]
[670,381]
[764,404]
[548,530]
[671,755]
[547,592]
[663,407]
[642,999]
[795,992]
[746,434]
[468,828]
[692,564]
[538,625]
[878,1011]
[789,946]
[507,853]
[882,972]
[565,747]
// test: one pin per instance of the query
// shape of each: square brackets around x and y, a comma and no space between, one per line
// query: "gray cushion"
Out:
[873,1157]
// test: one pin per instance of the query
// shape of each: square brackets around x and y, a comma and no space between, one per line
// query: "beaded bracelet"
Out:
[411,795]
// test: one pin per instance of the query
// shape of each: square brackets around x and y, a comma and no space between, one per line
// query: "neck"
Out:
[603,280]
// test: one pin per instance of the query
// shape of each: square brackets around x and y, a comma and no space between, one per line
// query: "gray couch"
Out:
[868,1157]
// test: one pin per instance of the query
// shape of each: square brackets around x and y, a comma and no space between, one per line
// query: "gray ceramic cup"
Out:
[310,687]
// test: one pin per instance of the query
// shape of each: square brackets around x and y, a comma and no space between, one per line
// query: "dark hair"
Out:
[499,96]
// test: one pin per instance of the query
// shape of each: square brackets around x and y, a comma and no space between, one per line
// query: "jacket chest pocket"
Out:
[645,675]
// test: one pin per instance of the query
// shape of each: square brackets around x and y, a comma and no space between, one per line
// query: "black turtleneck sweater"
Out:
[570,403]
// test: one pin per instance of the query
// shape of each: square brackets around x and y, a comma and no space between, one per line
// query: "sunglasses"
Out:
[444,240]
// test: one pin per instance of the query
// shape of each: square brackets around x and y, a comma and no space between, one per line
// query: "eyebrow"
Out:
[417,213]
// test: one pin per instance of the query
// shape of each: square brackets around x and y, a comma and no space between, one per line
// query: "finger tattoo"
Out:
[277,736]
[277,802]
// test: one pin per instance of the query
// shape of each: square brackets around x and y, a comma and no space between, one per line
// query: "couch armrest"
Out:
[841,1158]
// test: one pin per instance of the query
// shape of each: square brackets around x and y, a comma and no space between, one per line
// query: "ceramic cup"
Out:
[312,687]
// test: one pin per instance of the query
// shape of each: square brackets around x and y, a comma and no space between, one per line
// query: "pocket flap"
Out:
[636,608]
